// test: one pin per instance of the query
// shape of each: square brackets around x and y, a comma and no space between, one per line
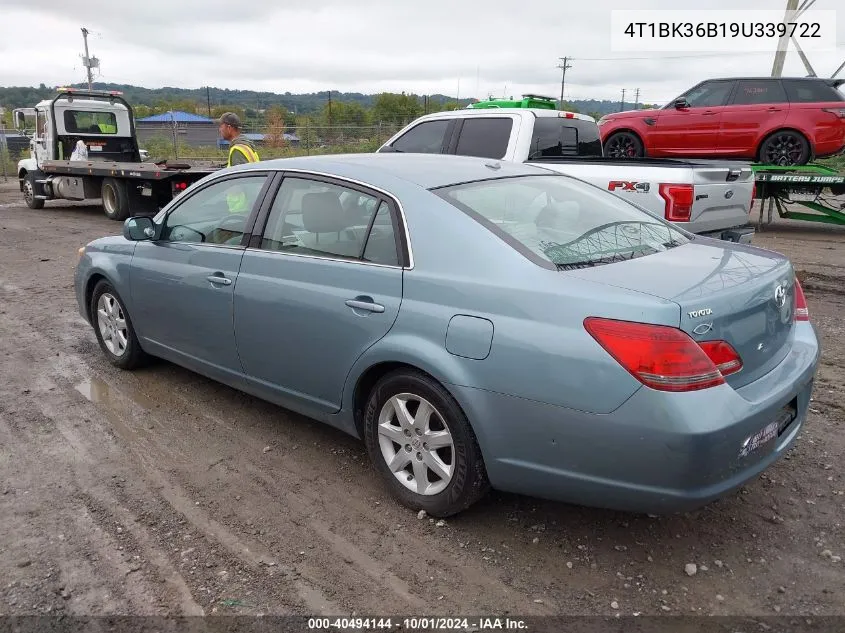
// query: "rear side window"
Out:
[800,91]
[425,138]
[556,138]
[485,137]
[759,91]
[562,222]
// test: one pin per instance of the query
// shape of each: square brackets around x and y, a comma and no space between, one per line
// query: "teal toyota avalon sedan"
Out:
[476,323]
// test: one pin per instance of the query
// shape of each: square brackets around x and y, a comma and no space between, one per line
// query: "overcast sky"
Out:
[480,46]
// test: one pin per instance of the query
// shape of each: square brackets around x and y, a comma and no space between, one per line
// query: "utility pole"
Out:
[636,98]
[330,108]
[88,61]
[4,147]
[622,104]
[563,68]
[783,42]
[208,100]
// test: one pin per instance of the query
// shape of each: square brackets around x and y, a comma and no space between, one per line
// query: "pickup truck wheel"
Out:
[785,148]
[115,199]
[29,192]
[624,145]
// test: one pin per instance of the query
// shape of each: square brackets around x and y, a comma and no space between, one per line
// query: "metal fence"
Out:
[201,140]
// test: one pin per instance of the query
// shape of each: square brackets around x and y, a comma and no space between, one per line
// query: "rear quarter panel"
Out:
[539,350]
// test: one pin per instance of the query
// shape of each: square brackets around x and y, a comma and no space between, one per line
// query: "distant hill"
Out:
[18,97]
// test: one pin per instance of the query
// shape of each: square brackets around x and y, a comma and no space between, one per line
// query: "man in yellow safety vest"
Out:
[241,149]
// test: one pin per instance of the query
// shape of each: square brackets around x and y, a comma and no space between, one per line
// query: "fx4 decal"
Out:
[627,185]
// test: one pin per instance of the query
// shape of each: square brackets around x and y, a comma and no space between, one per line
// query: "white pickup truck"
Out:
[706,197]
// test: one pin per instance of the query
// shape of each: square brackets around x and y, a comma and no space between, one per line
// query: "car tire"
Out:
[115,199]
[454,450]
[624,145]
[785,148]
[113,328]
[30,190]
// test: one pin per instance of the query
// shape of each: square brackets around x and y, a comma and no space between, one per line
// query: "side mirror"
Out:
[681,103]
[139,229]
[20,121]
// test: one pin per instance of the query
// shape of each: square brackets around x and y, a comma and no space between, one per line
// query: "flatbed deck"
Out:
[140,171]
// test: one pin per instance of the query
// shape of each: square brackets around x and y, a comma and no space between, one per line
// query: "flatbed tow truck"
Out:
[112,171]
[811,186]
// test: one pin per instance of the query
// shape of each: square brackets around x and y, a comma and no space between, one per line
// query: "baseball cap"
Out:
[230,118]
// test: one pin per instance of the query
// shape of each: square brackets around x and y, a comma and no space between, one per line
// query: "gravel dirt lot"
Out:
[161,492]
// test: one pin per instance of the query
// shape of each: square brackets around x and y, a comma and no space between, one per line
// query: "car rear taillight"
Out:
[840,112]
[679,199]
[802,312]
[661,357]
[724,356]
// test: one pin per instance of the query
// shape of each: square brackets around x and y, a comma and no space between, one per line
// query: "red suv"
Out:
[774,120]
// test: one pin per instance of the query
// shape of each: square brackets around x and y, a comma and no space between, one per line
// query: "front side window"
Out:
[84,122]
[710,94]
[425,138]
[562,221]
[215,215]
[312,217]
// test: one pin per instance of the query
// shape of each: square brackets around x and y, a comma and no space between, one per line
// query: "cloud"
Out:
[477,46]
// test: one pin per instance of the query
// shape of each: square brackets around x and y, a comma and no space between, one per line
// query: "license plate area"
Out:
[787,416]
[774,429]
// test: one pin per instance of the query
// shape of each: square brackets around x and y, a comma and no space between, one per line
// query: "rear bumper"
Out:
[741,234]
[656,453]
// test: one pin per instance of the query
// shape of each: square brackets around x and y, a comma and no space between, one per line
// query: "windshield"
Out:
[565,222]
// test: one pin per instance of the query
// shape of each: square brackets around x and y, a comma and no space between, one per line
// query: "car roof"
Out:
[492,112]
[428,171]
[828,80]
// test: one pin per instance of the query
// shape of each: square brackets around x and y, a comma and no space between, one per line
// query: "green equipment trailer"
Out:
[818,188]
[527,101]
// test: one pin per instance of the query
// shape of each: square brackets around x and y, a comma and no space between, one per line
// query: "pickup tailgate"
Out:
[721,190]
[722,196]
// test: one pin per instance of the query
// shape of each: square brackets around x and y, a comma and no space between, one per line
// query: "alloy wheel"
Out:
[416,444]
[112,323]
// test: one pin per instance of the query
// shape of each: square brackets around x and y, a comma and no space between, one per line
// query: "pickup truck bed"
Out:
[722,189]
[706,197]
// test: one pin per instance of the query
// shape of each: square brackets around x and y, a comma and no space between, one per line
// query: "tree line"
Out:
[263,109]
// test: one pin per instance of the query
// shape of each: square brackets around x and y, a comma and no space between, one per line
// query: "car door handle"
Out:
[219,279]
[370,306]
[709,112]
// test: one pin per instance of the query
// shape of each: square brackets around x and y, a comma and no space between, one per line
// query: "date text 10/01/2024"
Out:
[723,29]
[417,624]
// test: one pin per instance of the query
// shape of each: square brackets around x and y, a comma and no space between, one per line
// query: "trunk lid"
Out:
[735,293]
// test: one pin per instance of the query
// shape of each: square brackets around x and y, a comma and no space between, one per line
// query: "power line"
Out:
[662,57]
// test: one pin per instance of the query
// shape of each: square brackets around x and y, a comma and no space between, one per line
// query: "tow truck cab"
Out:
[101,120]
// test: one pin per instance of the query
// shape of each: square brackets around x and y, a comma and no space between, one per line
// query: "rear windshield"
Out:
[555,137]
[86,122]
[563,222]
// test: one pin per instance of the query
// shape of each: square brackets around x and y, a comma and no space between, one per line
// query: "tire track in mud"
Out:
[304,509]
